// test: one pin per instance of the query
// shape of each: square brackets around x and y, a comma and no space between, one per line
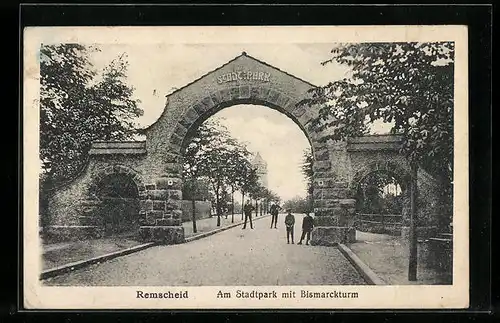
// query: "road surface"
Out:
[234,257]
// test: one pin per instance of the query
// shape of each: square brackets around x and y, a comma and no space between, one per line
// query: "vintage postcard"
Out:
[246,167]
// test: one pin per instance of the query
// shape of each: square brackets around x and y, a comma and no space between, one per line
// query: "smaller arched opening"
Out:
[119,206]
[381,201]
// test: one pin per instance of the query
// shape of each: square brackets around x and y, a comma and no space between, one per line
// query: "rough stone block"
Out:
[157,214]
[169,183]
[333,203]
[175,139]
[318,193]
[244,92]
[328,236]
[180,130]
[149,220]
[255,93]
[347,203]
[319,203]
[215,98]
[174,149]
[209,102]
[225,94]
[335,193]
[162,234]
[175,194]
[173,168]
[159,205]
[272,96]
[283,101]
[325,221]
[157,195]
[168,222]
[321,166]
[234,92]
[87,220]
[331,175]
[146,205]
[176,214]
[321,154]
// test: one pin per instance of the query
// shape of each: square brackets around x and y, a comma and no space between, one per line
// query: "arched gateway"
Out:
[155,164]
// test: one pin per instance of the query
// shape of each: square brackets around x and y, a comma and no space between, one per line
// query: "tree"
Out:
[194,157]
[78,105]
[410,86]
[219,161]
[297,204]
[238,163]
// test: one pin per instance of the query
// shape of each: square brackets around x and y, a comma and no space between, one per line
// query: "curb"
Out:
[209,233]
[84,263]
[368,275]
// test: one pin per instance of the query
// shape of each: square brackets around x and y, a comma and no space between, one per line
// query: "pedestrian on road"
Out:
[289,223]
[247,209]
[307,226]
[274,214]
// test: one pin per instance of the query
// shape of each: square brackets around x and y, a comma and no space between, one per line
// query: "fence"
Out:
[379,223]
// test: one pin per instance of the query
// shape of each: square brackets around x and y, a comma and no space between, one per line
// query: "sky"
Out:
[155,70]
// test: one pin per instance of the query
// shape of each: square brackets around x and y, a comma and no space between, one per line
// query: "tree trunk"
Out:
[217,205]
[193,216]
[193,204]
[232,204]
[412,263]
[256,208]
[242,203]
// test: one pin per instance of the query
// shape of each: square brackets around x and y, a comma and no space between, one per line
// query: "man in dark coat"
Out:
[247,209]
[289,223]
[274,214]
[307,226]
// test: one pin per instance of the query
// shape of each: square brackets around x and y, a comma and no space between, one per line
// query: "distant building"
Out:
[261,167]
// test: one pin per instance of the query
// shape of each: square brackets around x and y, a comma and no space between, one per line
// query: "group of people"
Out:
[307,222]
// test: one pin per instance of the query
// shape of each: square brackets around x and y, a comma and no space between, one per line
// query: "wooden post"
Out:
[412,263]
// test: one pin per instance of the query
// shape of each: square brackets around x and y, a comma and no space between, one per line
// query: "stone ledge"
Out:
[62,233]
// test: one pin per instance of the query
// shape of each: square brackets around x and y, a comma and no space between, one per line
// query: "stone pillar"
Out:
[333,208]
[161,210]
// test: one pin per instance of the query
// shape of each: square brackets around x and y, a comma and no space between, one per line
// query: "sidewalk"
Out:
[60,254]
[387,256]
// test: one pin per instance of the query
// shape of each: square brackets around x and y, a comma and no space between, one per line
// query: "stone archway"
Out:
[402,177]
[243,80]
[93,214]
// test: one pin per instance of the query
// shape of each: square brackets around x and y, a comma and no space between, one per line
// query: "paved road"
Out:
[233,257]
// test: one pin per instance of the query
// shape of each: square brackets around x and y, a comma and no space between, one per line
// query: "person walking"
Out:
[274,215]
[289,223]
[307,226]
[247,209]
